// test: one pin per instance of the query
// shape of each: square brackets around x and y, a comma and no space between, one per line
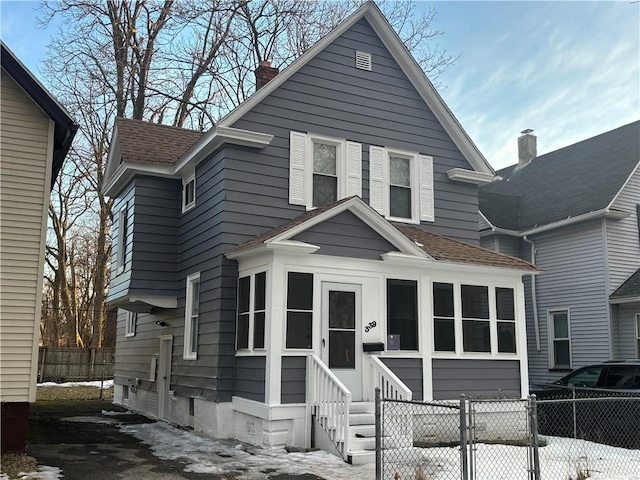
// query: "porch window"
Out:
[299,310]
[251,311]
[476,331]
[192,311]
[560,339]
[402,312]
[443,321]
[506,315]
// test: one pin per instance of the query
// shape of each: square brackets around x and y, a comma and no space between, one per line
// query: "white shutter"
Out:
[376,178]
[354,169]
[297,156]
[426,189]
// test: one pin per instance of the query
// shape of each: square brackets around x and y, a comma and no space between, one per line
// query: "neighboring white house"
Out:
[36,135]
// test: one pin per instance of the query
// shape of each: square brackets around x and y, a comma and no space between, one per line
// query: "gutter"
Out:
[534,298]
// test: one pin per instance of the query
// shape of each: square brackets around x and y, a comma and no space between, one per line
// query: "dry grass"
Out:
[48,394]
[12,464]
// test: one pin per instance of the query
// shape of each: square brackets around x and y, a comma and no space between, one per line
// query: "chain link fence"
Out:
[588,435]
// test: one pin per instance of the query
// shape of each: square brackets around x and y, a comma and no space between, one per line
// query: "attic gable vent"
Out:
[363,60]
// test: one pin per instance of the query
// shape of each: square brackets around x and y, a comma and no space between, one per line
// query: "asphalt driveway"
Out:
[83,443]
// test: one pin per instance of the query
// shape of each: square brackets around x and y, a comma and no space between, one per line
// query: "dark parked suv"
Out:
[593,403]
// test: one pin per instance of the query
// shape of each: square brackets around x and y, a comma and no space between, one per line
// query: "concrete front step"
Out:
[362,419]
[361,457]
[362,407]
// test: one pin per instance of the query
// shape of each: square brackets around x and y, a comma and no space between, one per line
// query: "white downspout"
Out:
[534,298]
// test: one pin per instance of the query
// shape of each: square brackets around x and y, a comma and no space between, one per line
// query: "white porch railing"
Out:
[329,400]
[390,385]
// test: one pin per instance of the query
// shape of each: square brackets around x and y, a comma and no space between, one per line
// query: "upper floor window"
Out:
[121,244]
[402,312]
[251,311]
[188,193]
[323,169]
[130,325]
[559,339]
[401,184]
[191,315]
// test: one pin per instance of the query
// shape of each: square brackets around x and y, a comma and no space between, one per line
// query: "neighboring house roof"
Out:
[65,125]
[436,247]
[576,180]
[629,290]
[153,143]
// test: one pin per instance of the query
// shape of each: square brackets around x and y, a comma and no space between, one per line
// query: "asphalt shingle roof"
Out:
[153,143]
[437,246]
[629,288]
[568,182]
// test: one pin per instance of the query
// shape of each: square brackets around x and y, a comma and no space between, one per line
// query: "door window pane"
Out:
[342,345]
[342,310]
[402,312]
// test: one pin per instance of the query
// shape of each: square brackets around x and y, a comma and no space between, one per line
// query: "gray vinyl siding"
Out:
[409,370]
[572,277]
[509,245]
[488,242]
[155,235]
[119,283]
[250,378]
[133,354]
[624,328]
[293,380]
[329,96]
[623,238]
[345,235]
[476,378]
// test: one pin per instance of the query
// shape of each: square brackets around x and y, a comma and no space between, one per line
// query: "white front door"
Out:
[341,333]
[164,375]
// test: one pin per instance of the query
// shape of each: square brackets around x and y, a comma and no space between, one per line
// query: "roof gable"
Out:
[374,17]
[630,289]
[572,181]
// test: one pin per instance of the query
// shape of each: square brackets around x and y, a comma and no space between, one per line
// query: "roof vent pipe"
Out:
[527,147]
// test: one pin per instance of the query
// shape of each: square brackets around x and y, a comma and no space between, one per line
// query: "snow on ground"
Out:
[43,473]
[494,462]
[110,413]
[97,383]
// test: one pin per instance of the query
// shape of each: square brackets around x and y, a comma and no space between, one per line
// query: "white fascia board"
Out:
[470,176]
[125,173]
[237,113]
[427,91]
[214,139]
[603,213]
[626,182]
[486,269]
[292,247]
[247,252]
[156,301]
[618,301]
[397,258]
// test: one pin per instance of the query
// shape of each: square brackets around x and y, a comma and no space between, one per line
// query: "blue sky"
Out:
[569,70]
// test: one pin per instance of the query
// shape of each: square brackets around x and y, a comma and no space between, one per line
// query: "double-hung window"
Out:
[130,325]
[188,193]
[323,169]
[299,310]
[251,311]
[402,312]
[122,239]
[401,184]
[559,339]
[192,311]
[476,325]
[444,324]
[506,315]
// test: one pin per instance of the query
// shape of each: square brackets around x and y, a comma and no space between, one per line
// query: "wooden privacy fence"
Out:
[74,365]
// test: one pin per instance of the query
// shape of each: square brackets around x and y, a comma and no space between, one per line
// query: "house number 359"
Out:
[370,326]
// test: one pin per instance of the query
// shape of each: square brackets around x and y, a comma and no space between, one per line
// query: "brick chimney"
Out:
[527,147]
[264,73]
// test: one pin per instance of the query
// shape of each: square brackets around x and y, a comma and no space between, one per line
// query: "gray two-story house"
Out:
[319,241]
[574,213]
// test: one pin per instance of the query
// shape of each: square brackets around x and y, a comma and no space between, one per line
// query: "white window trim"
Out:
[121,241]
[493,321]
[422,190]
[188,310]
[130,324]
[637,324]
[252,311]
[385,315]
[348,167]
[185,181]
[551,337]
